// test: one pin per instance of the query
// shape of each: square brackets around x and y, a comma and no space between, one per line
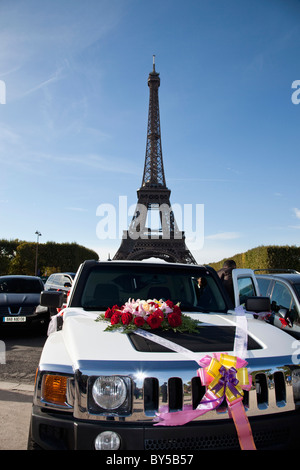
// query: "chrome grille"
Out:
[271,392]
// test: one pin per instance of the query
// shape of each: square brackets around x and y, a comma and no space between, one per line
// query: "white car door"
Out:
[244,284]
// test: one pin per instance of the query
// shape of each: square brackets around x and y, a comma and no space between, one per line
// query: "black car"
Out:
[283,288]
[19,302]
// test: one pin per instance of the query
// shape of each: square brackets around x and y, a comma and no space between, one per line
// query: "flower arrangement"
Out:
[149,315]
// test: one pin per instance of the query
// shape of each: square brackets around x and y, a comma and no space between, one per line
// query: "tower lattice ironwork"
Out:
[165,240]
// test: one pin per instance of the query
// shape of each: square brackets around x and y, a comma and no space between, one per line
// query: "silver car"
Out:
[283,288]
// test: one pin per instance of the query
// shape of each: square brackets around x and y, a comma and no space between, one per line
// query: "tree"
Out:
[52,257]
[8,249]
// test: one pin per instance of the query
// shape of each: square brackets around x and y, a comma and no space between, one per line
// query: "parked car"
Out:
[100,386]
[19,302]
[60,282]
[283,288]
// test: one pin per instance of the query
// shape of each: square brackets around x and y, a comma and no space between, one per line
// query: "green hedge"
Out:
[18,257]
[266,257]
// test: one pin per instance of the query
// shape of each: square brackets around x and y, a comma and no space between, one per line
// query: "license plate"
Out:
[14,319]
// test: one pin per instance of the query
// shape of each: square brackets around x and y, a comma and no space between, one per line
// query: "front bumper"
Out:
[51,431]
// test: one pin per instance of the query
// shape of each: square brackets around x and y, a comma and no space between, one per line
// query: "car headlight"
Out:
[107,440]
[109,392]
[54,390]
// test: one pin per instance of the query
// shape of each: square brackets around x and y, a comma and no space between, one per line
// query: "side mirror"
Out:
[283,312]
[54,299]
[258,304]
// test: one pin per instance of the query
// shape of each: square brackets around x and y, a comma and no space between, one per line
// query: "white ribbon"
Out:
[240,340]
[168,344]
[241,334]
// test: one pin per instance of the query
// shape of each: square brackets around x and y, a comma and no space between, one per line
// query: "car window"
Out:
[195,289]
[297,290]
[246,288]
[264,285]
[20,286]
[281,297]
[294,314]
[66,280]
[51,278]
[57,278]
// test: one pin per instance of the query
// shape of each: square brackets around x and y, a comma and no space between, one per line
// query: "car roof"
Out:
[69,273]
[18,276]
[292,278]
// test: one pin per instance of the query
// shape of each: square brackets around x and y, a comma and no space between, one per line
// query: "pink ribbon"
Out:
[210,402]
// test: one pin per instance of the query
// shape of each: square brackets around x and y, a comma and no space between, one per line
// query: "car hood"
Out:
[19,299]
[85,340]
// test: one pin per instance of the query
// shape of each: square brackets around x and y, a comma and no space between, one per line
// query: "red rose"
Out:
[158,313]
[115,319]
[115,308]
[109,313]
[169,303]
[176,310]
[138,321]
[126,318]
[174,320]
[154,321]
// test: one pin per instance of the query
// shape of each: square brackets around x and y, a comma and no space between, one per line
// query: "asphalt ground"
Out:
[21,353]
[15,411]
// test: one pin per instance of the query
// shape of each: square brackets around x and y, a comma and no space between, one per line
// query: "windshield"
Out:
[19,285]
[195,288]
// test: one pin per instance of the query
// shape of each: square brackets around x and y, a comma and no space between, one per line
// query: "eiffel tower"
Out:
[166,241]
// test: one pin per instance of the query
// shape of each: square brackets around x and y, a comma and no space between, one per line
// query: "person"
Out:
[203,293]
[225,274]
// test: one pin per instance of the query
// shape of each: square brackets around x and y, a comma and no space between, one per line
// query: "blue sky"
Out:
[73,125]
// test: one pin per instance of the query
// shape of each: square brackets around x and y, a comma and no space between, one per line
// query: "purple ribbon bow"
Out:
[227,379]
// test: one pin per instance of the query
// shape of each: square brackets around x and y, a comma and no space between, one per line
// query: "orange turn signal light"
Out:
[54,389]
